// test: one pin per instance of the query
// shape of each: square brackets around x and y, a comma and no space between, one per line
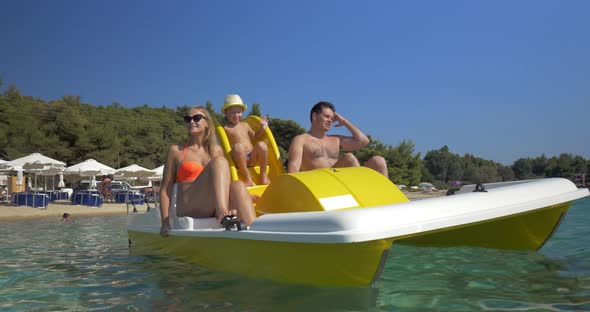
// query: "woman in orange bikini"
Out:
[202,173]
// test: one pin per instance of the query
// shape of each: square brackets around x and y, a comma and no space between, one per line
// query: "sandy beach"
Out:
[424,194]
[57,209]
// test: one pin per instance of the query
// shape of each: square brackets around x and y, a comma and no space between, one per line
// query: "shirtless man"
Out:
[240,136]
[106,188]
[315,149]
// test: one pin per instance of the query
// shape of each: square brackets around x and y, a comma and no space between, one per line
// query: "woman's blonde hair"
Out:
[210,139]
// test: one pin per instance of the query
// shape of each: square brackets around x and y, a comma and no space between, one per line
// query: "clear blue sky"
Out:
[497,79]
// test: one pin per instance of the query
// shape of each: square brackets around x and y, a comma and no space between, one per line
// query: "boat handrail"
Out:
[177,222]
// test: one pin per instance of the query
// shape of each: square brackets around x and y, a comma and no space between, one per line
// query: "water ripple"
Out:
[86,266]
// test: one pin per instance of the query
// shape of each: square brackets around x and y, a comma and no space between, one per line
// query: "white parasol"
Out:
[19,175]
[158,174]
[32,161]
[35,163]
[89,168]
[134,171]
[61,180]
[46,170]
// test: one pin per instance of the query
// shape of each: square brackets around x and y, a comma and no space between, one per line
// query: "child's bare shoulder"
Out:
[242,126]
[236,131]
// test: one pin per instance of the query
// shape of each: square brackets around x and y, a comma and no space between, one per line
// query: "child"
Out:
[240,136]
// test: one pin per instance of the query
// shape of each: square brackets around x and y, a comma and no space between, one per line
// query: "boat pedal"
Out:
[231,223]
[480,188]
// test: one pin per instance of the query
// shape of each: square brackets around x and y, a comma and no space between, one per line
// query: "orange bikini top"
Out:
[189,170]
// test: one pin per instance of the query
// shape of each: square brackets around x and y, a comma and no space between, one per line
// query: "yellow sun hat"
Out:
[233,100]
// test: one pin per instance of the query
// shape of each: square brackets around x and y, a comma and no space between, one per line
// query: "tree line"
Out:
[71,131]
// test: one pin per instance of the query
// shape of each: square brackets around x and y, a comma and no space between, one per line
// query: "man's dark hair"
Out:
[319,107]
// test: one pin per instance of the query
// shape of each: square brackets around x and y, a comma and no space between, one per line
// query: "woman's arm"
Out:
[168,178]
[218,152]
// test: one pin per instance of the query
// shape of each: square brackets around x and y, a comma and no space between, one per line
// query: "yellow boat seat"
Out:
[275,164]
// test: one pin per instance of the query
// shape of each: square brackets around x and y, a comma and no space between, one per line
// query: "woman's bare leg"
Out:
[240,200]
[220,181]
[207,196]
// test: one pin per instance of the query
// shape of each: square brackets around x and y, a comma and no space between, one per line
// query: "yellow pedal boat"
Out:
[335,227]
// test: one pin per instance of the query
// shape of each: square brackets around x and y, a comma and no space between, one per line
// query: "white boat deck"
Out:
[396,220]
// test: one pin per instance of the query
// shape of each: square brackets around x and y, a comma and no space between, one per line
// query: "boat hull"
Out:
[334,227]
[526,231]
[343,264]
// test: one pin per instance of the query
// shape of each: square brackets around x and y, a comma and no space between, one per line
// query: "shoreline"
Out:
[10,212]
[424,194]
[55,210]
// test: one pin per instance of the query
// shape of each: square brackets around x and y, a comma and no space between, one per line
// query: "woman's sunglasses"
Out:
[196,118]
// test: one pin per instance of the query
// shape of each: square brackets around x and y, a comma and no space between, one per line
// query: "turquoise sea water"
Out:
[85,265]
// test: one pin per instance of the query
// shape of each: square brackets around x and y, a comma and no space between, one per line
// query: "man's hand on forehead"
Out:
[339,119]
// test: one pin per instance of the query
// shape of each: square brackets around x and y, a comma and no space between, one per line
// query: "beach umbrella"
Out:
[134,171]
[19,174]
[32,161]
[158,174]
[61,183]
[1,162]
[47,170]
[89,168]
[17,169]
[35,163]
